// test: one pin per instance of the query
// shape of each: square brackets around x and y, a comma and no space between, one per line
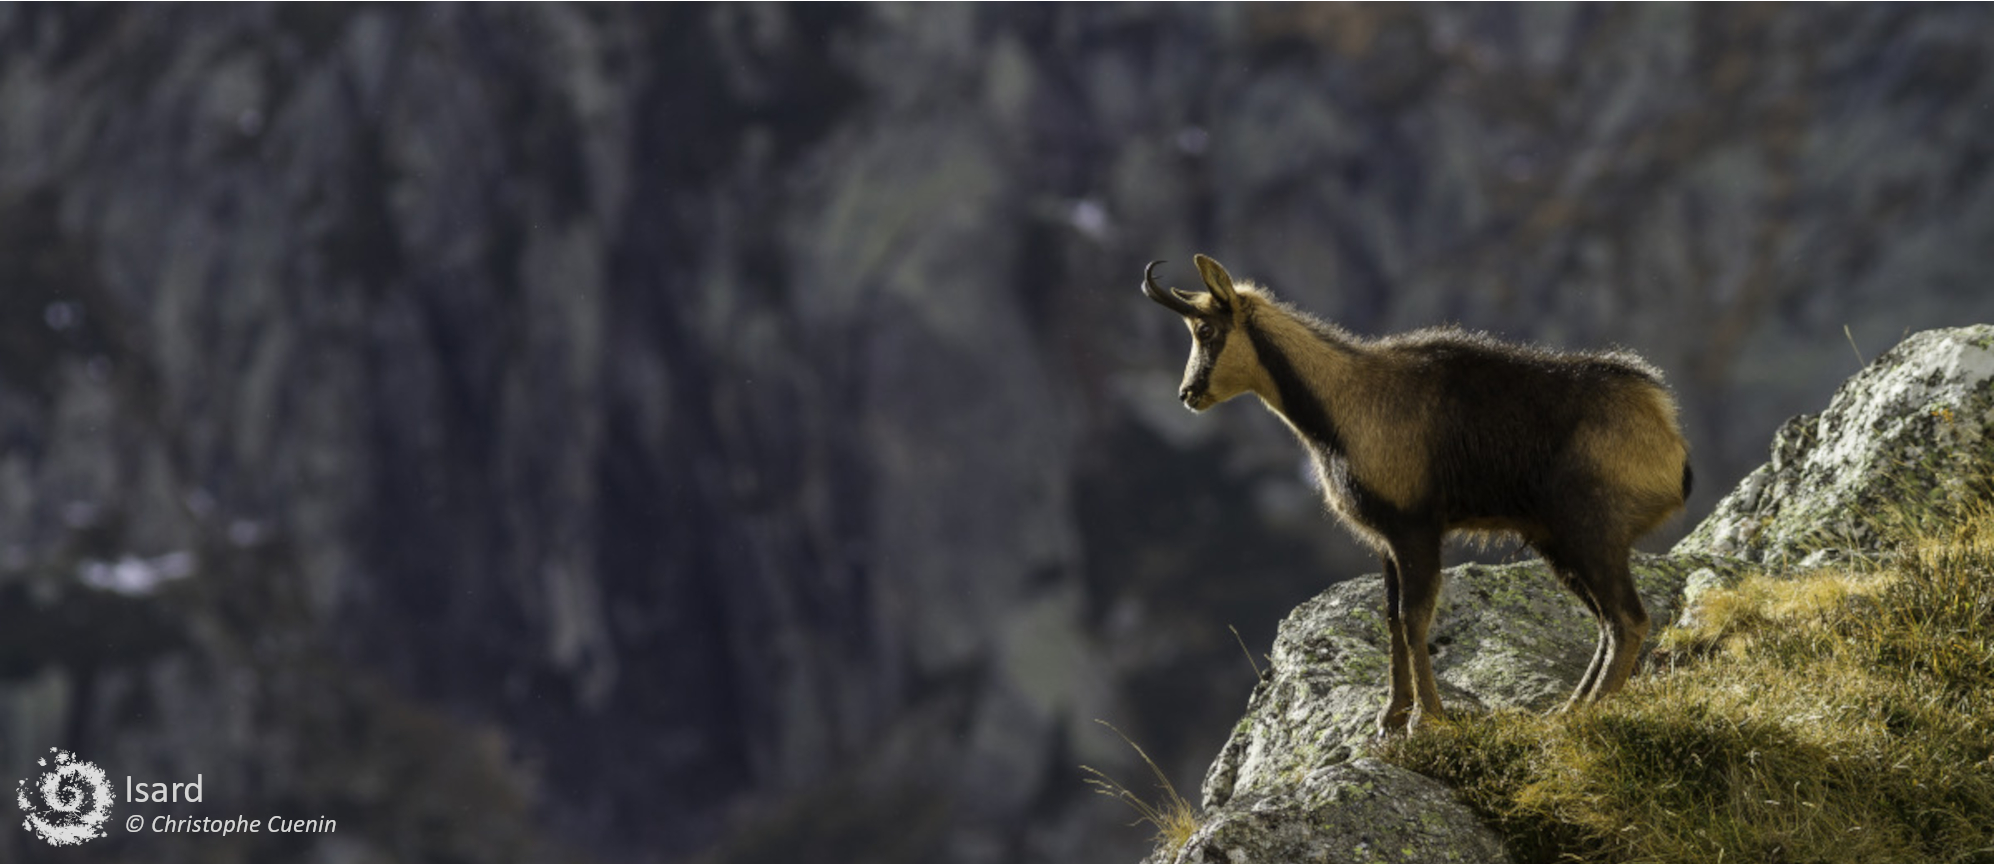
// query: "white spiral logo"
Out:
[68,803]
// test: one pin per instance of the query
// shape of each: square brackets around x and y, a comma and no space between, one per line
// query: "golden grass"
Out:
[1174,818]
[1839,716]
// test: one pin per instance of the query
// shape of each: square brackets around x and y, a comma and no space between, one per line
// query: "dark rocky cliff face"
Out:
[515,431]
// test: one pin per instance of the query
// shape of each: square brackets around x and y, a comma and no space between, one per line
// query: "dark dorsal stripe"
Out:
[1300,403]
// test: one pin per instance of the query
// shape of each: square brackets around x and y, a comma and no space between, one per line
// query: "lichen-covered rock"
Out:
[1349,813]
[1898,441]
[1506,636]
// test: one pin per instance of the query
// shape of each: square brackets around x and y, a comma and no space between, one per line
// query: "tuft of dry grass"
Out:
[1838,716]
[1174,818]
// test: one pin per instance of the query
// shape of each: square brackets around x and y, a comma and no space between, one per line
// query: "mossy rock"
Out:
[1901,445]
[1504,636]
[1360,812]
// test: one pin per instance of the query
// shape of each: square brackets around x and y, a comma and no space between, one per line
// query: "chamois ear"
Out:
[1216,279]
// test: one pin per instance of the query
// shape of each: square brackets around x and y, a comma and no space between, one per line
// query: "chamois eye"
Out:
[1204,331]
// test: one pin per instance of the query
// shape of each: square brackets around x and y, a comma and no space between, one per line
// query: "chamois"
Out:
[1440,430]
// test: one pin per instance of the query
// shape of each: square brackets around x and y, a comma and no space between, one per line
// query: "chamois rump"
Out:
[1440,430]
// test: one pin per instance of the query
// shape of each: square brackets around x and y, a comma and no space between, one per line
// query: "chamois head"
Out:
[1220,367]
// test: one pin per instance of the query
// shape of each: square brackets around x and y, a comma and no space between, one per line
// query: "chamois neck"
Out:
[1300,353]
[1305,365]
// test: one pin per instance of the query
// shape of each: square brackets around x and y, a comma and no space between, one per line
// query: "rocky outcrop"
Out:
[1907,438]
[1504,636]
[1360,811]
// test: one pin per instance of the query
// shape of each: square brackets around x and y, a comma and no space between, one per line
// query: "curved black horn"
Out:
[1155,292]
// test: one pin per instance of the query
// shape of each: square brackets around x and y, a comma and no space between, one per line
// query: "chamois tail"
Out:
[1688,479]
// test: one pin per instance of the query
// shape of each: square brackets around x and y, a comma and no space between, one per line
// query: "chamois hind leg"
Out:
[1601,645]
[1626,623]
[1398,705]
[1570,574]
[1418,557]
[1601,649]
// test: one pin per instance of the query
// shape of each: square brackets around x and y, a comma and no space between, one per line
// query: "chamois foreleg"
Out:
[1398,704]
[1417,556]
